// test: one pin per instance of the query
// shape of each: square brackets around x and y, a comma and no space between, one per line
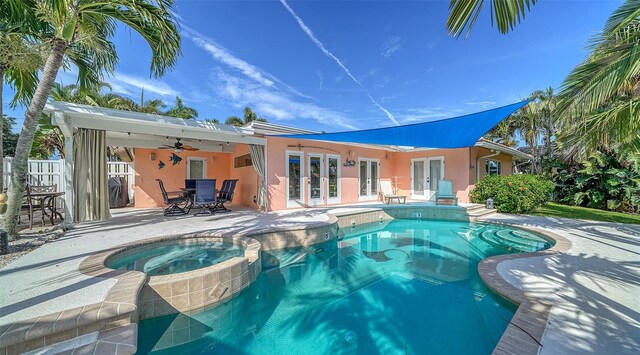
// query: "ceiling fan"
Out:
[178,146]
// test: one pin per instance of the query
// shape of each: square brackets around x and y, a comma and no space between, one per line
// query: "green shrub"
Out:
[513,193]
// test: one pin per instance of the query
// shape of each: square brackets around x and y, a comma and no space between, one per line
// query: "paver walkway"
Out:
[594,287]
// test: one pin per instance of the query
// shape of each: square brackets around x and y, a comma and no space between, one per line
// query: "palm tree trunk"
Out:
[23,148]
[1,132]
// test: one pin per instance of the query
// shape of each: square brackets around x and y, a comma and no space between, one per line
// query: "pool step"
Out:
[476,211]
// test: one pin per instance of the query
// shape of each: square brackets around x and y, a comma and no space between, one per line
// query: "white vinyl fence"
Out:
[51,172]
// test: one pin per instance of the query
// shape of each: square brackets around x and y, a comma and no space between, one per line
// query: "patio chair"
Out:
[226,194]
[190,184]
[177,204]
[445,195]
[388,195]
[205,196]
[27,204]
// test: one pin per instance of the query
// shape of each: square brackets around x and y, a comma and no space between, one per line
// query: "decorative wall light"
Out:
[213,158]
[349,163]
[152,156]
[352,153]
[388,156]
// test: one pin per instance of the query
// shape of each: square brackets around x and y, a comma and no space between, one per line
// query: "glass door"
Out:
[369,179]
[295,187]
[333,179]
[436,172]
[418,179]
[316,174]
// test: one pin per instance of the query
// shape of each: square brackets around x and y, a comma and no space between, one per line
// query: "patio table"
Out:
[48,203]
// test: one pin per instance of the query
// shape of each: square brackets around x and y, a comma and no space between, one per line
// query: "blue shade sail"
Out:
[455,132]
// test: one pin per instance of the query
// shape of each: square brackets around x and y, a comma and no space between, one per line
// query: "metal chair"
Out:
[205,196]
[176,205]
[226,195]
[190,184]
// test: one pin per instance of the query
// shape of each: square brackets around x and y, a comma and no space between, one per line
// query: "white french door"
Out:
[425,173]
[333,188]
[315,167]
[294,177]
[368,179]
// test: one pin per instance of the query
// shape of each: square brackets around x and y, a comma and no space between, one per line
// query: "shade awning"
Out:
[455,132]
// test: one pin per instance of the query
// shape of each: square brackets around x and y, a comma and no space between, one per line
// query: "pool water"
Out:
[397,287]
[174,257]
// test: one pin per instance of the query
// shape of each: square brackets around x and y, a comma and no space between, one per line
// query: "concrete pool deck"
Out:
[594,287]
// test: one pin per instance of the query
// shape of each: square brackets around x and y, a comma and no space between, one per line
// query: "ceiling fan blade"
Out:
[188,147]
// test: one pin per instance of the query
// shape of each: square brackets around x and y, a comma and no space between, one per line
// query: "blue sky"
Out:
[328,65]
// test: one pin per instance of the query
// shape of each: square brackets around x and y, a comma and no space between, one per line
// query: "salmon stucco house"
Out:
[296,168]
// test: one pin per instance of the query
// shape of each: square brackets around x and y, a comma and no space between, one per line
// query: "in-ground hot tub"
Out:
[188,273]
[173,257]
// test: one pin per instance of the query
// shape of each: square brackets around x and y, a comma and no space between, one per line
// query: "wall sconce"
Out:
[388,156]
[152,156]
[351,153]
[213,158]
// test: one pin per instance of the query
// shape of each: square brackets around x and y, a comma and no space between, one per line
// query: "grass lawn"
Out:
[556,210]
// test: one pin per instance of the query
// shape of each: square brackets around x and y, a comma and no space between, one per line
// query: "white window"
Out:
[493,167]
[196,168]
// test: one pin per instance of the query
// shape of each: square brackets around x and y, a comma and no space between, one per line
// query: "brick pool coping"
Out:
[115,319]
[526,329]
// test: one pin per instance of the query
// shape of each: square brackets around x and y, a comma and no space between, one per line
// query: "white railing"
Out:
[51,172]
[124,170]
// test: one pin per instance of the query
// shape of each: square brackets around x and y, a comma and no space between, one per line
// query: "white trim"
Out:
[338,199]
[204,166]
[315,201]
[369,196]
[294,203]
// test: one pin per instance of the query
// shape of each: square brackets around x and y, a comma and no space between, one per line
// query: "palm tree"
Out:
[81,30]
[249,116]
[506,14]
[600,97]
[19,62]
[180,110]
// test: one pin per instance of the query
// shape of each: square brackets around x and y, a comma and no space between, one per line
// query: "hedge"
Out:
[513,193]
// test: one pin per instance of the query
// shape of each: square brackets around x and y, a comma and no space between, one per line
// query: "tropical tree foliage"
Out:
[9,139]
[248,117]
[606,180]
[180,110]
[600,98]
[505,14]
[81,31]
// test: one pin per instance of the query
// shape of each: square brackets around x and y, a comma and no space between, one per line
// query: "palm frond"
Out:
[505,14]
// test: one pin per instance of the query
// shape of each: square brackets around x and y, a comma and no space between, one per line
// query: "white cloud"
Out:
[225,56]
[425,114]
[391,46]
[326,52]
[273,103]
[482,104]
[133,85]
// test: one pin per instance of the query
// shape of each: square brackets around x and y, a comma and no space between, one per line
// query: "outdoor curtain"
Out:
[90,195]
[257,158]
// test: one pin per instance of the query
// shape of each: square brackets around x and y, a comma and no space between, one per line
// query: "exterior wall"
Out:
[476,152]
[147,191]
[276,167]
[456,169]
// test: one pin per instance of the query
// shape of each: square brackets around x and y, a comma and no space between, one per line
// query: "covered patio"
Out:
[156,147]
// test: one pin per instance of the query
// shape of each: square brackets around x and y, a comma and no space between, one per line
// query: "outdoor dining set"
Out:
[43,198]
[202,194]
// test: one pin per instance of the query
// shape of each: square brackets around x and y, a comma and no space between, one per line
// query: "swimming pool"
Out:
[173,257]
[400,286]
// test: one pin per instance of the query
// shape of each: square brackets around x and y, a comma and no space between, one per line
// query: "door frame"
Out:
[338,199]
[204,166]
[315,201]
[368,196]
[299,202]
[427,193]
